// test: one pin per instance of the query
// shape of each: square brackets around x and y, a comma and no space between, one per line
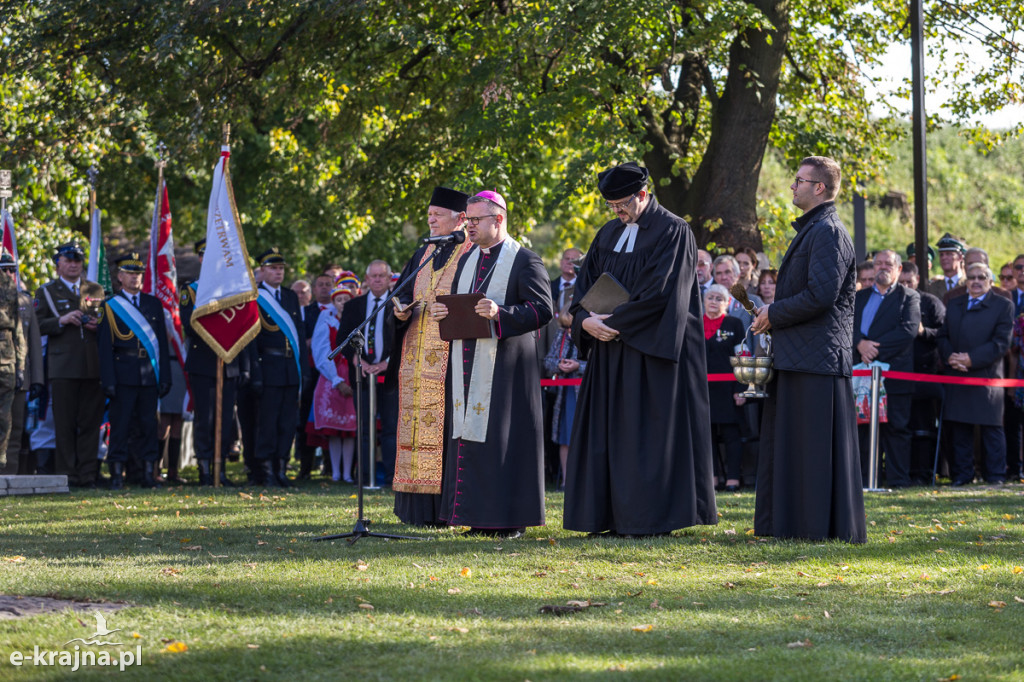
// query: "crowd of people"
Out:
[456,344]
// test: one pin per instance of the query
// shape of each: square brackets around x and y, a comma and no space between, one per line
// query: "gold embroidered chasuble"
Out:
[421,378]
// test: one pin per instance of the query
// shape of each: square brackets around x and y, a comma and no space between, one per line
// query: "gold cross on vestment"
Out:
[479,408]
[429,419]
[406,417]
[458,404]
[433,358]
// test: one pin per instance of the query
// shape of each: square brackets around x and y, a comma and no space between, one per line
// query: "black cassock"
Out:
[499,483]
[640,456]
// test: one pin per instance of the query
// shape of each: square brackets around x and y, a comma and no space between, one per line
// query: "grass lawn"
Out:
[936,593]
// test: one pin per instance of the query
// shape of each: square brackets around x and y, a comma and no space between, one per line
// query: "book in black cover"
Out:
[605,296]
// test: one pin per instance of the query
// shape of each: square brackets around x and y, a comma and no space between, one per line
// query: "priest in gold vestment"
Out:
[423,362]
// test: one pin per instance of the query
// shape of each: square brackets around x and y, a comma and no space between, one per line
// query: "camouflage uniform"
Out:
[12,358]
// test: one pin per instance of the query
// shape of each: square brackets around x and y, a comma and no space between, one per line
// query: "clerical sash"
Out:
[137,322]
[424,361]
[283,320]
[469,420]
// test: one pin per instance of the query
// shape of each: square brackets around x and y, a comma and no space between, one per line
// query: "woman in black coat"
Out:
[721,336]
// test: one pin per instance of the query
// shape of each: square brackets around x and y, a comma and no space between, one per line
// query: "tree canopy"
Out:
[346,114]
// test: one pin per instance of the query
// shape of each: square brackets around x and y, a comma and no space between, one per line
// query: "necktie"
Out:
[74,289]
[973,303]
[277,295]
[371,345]
[949,283]
[135,300]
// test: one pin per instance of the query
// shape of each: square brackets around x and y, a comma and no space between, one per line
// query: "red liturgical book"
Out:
[462,321]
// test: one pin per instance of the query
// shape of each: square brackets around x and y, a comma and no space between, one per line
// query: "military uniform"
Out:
[132,383]
[19,459]
[73,367]
[279,400]
[12,359]
[201,367]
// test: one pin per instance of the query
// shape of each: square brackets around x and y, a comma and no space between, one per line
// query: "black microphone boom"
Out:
[456,237]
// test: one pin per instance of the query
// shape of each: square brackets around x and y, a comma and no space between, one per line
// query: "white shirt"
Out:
[321,346]
[71,285]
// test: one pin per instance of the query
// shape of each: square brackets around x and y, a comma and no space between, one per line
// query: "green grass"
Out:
[240,582]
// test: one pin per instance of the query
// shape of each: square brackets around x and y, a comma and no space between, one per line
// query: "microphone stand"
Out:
[356,340]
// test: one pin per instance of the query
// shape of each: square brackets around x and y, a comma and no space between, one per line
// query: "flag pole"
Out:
[219,416]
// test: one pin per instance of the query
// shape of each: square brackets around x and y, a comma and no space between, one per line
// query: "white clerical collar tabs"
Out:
[492,246]
[627,239]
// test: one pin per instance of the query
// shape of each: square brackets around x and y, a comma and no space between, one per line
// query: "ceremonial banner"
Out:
[162,273]
[226,315]
[98,271]
[10,243]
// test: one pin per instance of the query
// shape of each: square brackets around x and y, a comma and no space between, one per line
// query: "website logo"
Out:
[82,655]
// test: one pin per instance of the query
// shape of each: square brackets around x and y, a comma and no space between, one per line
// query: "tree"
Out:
[347,114]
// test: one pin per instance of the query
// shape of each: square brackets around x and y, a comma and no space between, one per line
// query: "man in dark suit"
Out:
[281,347]
[886,318]
[926,397]
[972,343]
[373,361]
[808,477]
[135,371]
[201,367]
[68,310]
[972,256]
[951,260]
[567,272]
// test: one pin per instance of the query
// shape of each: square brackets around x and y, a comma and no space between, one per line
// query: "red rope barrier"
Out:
[905,376]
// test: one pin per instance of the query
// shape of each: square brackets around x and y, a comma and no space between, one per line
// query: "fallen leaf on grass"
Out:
[169,570]
[175,648]
[14,559]
[997,604]
[368,607]
[192,548]
[1018,569]
[245,496]
[642,628]
[1018,600]
[828,615]
[253,646]
[584,604]
[952,678]
[458,629]
[360,566]
[804,575]
[466,573]
[454,590]
[804,644]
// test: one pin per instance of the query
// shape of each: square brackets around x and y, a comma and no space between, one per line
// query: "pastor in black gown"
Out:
[640,457]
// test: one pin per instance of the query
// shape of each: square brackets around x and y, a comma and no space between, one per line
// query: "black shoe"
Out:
[204,472]
[147,479]
[116,476]
[995,480]
[284,481]
[961,482]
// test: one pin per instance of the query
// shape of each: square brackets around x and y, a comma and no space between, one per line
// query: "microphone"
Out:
[456,237]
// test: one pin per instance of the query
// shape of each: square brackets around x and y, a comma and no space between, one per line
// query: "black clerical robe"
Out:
[499,482]
[640,456]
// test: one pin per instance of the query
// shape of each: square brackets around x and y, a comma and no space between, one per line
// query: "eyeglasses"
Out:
[1007,277]
[476,221]
[977,278]
[617,205]
[799,180]
[1018,266]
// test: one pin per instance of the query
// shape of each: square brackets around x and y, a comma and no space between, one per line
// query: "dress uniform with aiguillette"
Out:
[19,459]
[281,346]
[73,368]
[135,372]
[201,366]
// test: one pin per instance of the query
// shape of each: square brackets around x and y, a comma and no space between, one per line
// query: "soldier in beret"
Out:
[67,308]
[135,370]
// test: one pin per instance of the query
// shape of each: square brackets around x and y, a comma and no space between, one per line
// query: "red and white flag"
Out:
[162,271]
[10,243]
[226,315]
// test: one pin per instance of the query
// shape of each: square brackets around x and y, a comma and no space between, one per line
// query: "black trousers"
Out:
[993,447]
[893,443]
[304,452]
[204,397]
[77,406]
[1013,418]
[247,407]
[387,412]
[275,430]
[133,412]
